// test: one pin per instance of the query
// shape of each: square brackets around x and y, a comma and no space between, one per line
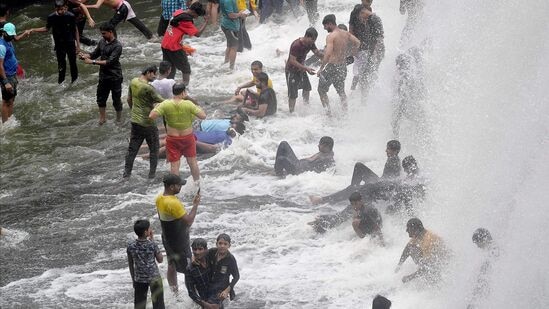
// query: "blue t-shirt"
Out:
[214,137]
[7,52]
[215,125]
[226,7]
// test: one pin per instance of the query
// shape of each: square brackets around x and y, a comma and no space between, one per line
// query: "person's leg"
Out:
[323,87]
[116,92]
[174,167]
[137,23]
[306,86]
[339,84]
[292,85]
[285,159]
[153,143]
[363,173]
[205,147]
[102,95]
[7,109]
[119,16]
[140,295]
[193,166]
[60,54]
[166,56]
[232,57]
[180,61]
[71,54]
[157,293]
[172,276]
[162,26]
[136,139]
[339,196]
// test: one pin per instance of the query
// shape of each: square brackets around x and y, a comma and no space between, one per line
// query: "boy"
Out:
[144,271]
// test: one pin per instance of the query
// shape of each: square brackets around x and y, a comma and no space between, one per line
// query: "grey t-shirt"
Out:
[143,253]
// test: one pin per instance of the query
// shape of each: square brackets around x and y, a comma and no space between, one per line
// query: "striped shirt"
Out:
[170,6]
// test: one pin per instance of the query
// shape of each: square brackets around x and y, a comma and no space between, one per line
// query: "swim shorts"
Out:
[178,59]
[6,95]
[333,74]
[296,81]
[177,146]
[232,37]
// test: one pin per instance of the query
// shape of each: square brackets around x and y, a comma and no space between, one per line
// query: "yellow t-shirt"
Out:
[178,114]
[169,207]
[241,5]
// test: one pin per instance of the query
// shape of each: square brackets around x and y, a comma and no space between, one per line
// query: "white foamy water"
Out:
[486,155]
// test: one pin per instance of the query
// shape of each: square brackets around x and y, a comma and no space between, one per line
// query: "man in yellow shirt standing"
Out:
[175,223]
[179,113]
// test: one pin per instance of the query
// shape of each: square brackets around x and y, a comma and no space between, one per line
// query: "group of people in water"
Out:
[211,274]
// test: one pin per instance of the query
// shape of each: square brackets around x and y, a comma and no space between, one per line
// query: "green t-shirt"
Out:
[143,98]
[178,115]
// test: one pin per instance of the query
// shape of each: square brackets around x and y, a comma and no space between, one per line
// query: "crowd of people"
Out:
[211,274]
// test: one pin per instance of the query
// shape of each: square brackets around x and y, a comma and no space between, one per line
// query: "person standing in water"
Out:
[108,51]
[8,70]
[179,113]
[222,266]
[334,66]
[490,251]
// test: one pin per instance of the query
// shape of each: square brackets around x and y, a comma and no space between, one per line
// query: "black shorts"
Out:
[296,81]
[333,74]
[6,95]
[178,59]
[104,87]
[232,37]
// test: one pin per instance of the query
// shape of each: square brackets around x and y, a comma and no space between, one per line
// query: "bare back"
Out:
[342,44]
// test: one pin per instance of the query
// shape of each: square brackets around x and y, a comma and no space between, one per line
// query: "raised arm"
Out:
[96,5]
[189,218]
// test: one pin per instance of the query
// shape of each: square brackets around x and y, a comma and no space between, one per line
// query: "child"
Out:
[222,265]
[141,255]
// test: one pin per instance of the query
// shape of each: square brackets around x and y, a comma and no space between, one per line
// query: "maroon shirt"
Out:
[299,51]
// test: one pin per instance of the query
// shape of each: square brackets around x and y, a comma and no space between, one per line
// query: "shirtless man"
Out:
[123,12]
[339,45]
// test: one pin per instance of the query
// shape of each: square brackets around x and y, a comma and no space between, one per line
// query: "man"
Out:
[178,114]
[8,70]
[62,24]
[483,240]
[266,102]
[296,71]
[287,162]
[81,14]
[242,90]
[367,220]
[197,277]
[311,7]
[163,84]
[358,29]
[175,222]
[172,50]
[333,69]
[4,14]
[427,251]
[123,12]
[168,8]
[108,51]
[247,7]
[375,49]
[230,25]
[374,187]
[141,99]
[414,8]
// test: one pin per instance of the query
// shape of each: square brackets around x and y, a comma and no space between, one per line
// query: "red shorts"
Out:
[177,146]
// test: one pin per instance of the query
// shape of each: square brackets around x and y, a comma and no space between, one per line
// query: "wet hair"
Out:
[409,164]
[414,224]
[242,114]
[178,88]
[263,77]
[59,3]
[329,19]
[257,63]
[164,67]
[328,141]
[4,9]
[199,243]
[342,27]
[106,27]
[355,197]
[311,33]
[224,237]
[481,236]
[149,69]
[140,227]
[239,127]
[394,145]
[381,302]
[198,8]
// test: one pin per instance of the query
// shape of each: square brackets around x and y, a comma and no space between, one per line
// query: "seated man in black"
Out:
[266,102]
[367,220]
[374,187]
[286,161]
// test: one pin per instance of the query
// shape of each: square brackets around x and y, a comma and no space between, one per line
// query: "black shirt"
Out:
[63,27]
[197,281]
[268,96]
[221,271]
[358,27]
[110,51]
[370,220]
[392,168]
